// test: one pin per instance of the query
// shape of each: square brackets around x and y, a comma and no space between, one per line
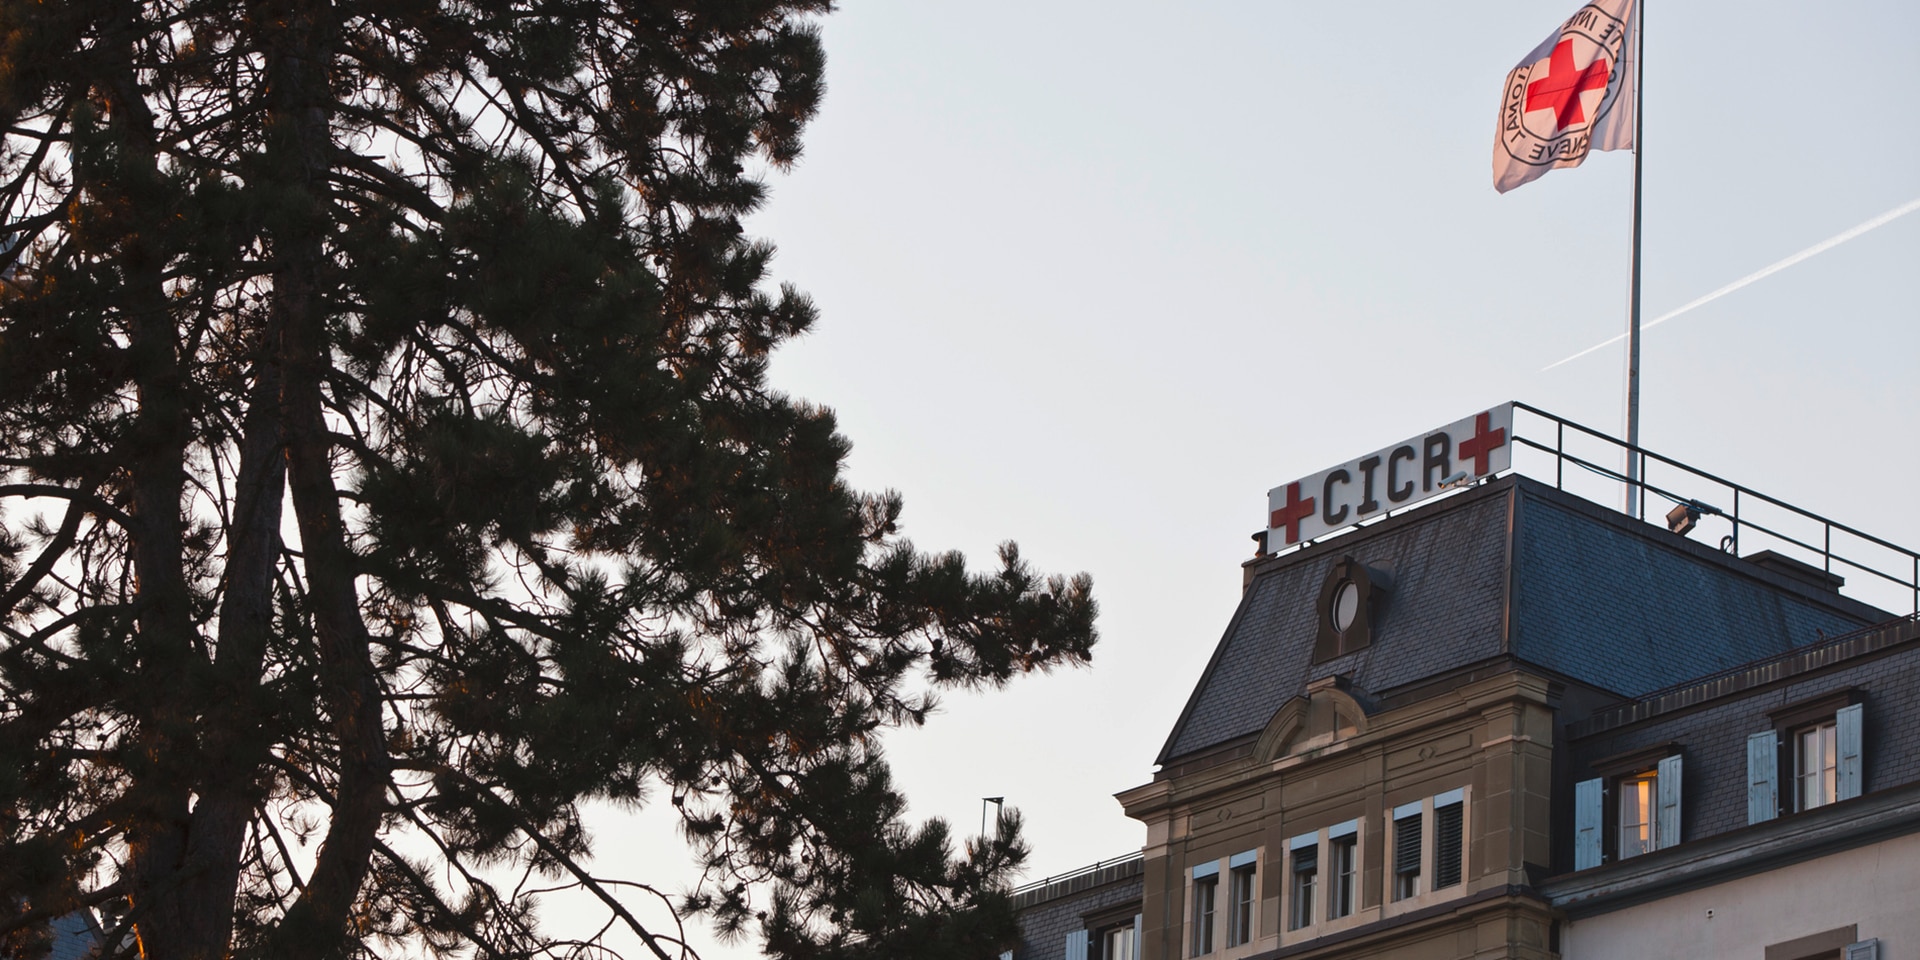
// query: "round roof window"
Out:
[1346,605]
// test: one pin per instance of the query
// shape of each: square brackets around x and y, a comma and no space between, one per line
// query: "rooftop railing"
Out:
[1753,520]
[1072,875]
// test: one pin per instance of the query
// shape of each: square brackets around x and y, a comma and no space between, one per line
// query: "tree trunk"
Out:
[168,653]
[299,150]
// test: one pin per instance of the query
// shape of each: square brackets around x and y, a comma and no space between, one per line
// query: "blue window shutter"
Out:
[1864,950]
[1848,736]
[1587,803]
[1077,945]
[1667,829]
[1763,777]
[1006,955]
[1136,936]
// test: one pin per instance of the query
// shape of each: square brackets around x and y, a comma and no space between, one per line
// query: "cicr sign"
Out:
[1387,479]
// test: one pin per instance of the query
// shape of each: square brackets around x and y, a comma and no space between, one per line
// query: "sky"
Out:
[1093,277]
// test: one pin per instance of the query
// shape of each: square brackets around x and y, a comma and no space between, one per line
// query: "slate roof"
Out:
[1633,610]
[1445,607]
[1712,720]
[1516,569]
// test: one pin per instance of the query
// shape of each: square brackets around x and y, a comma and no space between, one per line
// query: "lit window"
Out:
[1341,878]
[1204,891]
[1816,764]
[1240,905]
[1638,827]
[1306,866]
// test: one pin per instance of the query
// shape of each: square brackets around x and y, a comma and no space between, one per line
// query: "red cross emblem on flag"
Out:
[1561,89]
[1571,95]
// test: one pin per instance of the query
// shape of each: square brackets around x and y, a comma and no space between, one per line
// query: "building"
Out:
[1511,722]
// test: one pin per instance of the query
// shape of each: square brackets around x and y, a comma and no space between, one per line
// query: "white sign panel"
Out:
[1398,476]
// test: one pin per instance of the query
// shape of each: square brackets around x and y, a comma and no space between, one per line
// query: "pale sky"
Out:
[1094,276]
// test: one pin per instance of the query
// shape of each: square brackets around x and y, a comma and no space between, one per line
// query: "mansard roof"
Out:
[1511,570]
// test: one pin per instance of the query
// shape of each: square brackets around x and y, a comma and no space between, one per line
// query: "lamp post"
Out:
[997,806]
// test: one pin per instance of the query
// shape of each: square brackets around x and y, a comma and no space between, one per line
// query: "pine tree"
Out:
[388,468]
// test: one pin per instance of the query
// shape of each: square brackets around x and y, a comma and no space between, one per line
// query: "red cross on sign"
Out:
[1389,479]
[1480,447]
[1290,515]
[1563,84]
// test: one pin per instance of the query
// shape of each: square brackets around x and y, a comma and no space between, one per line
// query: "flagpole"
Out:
[1636,499]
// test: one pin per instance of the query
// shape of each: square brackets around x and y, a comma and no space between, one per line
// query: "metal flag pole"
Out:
[1636,499]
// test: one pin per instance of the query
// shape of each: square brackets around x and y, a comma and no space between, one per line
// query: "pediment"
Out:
[1328,714]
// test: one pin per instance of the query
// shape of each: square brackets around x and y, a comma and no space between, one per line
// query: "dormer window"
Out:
[1348,602]
[1813,757]
[1346,605]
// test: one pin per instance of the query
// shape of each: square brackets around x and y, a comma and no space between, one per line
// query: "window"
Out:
[1306,866]
[1406,850]
[1638,815]
[1821,742]
[1637,826]
[1211,924]
[1205,887]
[1449,841]
[1342,870]
[1426,850]
[1240,903]
[1349,599]
[1117,943]
[1815,765]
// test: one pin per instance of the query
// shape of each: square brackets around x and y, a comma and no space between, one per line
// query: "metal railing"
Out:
[1076,874]
[1897,566]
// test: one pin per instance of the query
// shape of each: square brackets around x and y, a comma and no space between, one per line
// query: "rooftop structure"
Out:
[1503,720]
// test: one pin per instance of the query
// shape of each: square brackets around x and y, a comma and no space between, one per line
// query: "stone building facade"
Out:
[1513,723]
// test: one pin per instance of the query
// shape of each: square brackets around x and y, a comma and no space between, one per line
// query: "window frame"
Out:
[1450,802]
[1662,768]
[1301,896]
[1202,908]
[1649,840]
[1775,769]
[1405,892]
[1128,933]
[1211,930]
[1404,821]
[1243,903]
[1823,778]
[1342,870]
[1309,900]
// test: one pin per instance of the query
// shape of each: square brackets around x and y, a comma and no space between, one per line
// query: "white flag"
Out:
[1572,94]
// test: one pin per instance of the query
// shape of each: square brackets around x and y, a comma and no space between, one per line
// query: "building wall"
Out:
[1876,888]
[1492,738]
[1051,912]
[1713,735]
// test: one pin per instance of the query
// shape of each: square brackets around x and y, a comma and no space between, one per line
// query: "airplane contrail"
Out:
[1760,274]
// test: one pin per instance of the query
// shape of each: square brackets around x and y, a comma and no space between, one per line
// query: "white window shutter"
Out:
[1848,734]
[1077,945]
[1588,798]
[1864,950]
[1763,777]
[1668,782]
